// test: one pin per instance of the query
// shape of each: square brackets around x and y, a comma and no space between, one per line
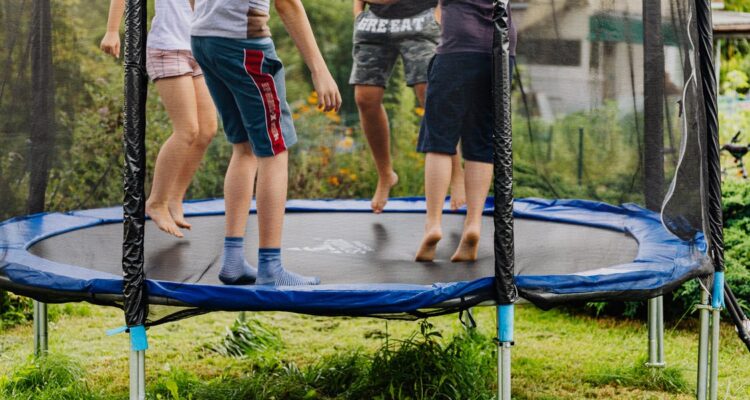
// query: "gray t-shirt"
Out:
[467,27]
[236,19]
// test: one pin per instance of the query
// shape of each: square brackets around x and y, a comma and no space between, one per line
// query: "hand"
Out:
[111,44]
[329,97]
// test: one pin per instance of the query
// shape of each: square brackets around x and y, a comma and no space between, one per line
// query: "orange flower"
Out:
[419,111]
[313,98]
[334,180]
[333,116]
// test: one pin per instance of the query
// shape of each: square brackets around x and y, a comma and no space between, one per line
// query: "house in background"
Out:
[595,48]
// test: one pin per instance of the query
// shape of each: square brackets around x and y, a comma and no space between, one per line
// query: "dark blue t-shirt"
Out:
[402,8]
[467,27]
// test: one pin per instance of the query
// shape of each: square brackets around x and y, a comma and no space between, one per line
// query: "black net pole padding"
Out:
[134,203]
[503,159]
[653,108]
[713,190]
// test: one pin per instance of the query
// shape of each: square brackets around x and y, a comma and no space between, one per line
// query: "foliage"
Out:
[640,375]
[736,205]
[14,310]
[52,377]
[247,338]
[418,367]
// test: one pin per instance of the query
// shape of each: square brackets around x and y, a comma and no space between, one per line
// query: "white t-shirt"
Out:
[236,19]
[170,28]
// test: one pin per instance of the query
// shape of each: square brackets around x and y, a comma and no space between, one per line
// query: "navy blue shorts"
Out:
[459,106]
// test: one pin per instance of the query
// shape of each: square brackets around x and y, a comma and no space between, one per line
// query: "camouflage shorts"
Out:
[378,42]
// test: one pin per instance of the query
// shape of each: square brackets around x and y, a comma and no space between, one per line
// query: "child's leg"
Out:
[238,188]
[271,198]
[238,193]
[207,125]
[437,177]
[478,179]
[178,96]
[271,203]
[458,185]
[458,193]
[374,122]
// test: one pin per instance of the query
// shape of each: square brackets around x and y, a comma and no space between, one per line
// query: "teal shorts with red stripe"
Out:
[246,81]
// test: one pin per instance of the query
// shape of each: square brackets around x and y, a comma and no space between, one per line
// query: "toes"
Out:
[183,224]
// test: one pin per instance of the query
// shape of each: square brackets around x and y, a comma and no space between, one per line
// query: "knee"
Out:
[188,135]
[367,102]
[206,134]
[243,151]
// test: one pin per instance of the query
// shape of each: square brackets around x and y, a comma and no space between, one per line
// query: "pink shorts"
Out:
[170,63]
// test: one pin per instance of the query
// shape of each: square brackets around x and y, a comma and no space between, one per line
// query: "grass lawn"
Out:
[557,355]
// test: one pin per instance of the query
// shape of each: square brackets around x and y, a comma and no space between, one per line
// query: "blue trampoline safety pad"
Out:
[657,262]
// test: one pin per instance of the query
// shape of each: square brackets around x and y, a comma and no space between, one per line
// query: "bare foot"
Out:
[468,249]
[175,210]
[160,215]
[428,247]
[382,192]
[458,194]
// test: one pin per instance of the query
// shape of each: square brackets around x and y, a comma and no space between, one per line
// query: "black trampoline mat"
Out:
[348,248]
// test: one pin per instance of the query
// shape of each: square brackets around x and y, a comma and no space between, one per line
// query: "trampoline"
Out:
[612,102]
[565,250]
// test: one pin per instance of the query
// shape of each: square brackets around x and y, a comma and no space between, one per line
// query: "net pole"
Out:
[653,157]
[505,288]
[713,214]
[134,202]
[653,104]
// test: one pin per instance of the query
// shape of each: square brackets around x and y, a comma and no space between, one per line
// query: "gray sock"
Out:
[235,270]
[270,271]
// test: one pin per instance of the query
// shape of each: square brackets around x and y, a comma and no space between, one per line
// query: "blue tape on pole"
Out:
[116,331]
[505,323]
[138,341]
[717,297]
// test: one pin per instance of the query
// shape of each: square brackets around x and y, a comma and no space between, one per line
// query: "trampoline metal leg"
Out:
[713,386]
[703,349]
[242,317]
[656,332]
[137,375]
[40,329]
[503,368]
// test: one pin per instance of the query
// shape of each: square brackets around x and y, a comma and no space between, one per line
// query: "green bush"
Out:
[422,366]
[247,338]
[52,377]
[14,310]
[641,376]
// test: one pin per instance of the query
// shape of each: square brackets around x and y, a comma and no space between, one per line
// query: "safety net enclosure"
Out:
[610,146]
[607,177]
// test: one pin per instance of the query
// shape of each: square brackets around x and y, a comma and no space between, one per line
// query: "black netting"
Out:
[610,102]
[608,106]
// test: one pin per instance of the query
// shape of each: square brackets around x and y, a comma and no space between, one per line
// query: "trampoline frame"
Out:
[136,299]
